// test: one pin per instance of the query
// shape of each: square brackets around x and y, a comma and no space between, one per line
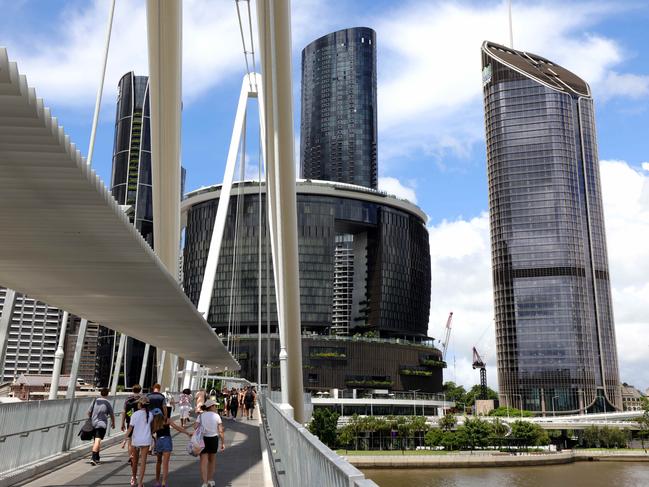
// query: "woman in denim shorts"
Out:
[161,428]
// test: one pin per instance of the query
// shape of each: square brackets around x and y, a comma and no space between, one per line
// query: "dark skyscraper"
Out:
[131,182]
[338,128]
[554,320]
[131,187]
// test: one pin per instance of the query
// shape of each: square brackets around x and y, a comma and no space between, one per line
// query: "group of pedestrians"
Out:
[242,399]
[147,422]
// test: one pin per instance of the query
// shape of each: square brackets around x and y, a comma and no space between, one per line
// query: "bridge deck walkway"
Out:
[239,465]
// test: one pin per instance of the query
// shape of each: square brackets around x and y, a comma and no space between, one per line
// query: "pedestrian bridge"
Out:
[39,447]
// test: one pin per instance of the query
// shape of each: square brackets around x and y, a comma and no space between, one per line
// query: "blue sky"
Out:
[431,133]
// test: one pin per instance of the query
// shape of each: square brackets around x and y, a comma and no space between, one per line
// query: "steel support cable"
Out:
[252,42]
[259,266]
[240,243]
[243,42]
[100,90]
[235,243]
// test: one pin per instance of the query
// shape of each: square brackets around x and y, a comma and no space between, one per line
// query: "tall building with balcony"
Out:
[338,124]
[364,263]
[33,337]
[555,332]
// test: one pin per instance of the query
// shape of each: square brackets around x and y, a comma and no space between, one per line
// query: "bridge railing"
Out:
[33,431]
[300,458]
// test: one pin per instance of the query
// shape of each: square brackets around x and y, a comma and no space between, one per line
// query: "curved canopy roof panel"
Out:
[65,240]
[538,68]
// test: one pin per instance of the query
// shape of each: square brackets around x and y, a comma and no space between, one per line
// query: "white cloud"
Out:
[430,91]
[394,187]
[461,283]
[645,166]
[64,66]
[461,279]
[629,85]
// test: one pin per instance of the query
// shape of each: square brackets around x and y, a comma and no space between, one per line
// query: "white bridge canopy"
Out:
[65,241]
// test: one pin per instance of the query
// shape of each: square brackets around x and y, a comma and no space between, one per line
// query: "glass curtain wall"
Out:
[554,321]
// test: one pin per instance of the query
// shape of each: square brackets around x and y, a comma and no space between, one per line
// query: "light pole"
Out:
[371,404]
[444,404]
[521,403]
[507,401]
[553,407]
[414,401]
[582,404]
[604,403]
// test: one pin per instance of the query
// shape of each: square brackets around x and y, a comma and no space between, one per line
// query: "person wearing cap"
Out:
[161,428]
[212,430]
[140,432]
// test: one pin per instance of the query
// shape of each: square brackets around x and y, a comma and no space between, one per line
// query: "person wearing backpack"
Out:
[161,428]
[140,432]
[249,401]
[98,413]
[130,406]
[212,426]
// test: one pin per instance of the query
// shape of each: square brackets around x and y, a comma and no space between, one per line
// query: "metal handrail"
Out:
[45,429]
[316,460]
[42,429]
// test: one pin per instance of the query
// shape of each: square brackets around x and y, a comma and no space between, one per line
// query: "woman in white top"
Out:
[185,402]
[140,427]
[212,429]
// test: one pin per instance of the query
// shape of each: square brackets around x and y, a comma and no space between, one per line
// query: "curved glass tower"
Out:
[131,187]
[338,127]
[554,320]
[131,181]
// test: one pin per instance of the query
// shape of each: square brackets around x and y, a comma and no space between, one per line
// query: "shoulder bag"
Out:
[87,431]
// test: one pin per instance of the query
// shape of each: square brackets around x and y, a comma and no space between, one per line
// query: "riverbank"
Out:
[482,459]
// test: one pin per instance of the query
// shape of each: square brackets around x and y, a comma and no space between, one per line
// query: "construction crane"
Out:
[478,363]
[448,335]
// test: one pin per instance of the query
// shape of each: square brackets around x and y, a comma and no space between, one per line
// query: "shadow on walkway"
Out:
[239,465]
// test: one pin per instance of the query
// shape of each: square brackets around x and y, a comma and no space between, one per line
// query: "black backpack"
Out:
[130,407]
[249,396]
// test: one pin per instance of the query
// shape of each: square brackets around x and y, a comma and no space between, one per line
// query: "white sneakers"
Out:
[211,483]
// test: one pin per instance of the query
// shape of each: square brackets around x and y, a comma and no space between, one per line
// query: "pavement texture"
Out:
[239,465]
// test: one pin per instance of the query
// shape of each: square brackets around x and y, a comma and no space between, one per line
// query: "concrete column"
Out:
[286,223]
[117,366]
[266,108]
[161,366]
[58,358]
[145,361]
[5,326]
[74,371]
[164,30]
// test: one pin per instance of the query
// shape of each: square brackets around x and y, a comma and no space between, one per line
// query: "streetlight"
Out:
[414,401]
[444,404]
[507,401]
[582,405]
[604,403]
[521,402]
[553,408]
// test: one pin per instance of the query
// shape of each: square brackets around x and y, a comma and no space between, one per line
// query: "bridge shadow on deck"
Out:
[239,465]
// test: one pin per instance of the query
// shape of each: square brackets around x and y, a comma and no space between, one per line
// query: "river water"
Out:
[587,474]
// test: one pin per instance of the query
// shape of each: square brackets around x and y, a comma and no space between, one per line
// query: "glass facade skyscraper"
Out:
[554,320]
[131,188]
[131,180]
[338,124]
[364,263]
